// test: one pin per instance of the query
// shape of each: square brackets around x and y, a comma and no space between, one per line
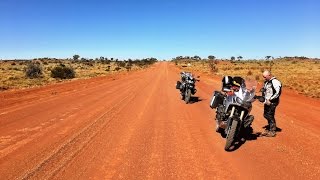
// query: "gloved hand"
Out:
[262,90]
[260,98]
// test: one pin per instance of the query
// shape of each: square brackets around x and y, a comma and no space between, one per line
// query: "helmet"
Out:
[226,83]
[238,81]
[227,80]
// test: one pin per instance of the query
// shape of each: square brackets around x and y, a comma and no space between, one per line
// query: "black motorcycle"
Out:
[233,112]
[187,87]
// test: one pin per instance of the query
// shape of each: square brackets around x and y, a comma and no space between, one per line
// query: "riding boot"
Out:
[271,134]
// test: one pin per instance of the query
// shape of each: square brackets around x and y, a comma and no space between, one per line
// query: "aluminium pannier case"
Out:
[217,98]
[178,85]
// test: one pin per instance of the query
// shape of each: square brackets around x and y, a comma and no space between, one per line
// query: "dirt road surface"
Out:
[134,126]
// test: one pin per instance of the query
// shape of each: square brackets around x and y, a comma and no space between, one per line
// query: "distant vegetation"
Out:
[298,73]
[63,72]
[33,69]
[41,71]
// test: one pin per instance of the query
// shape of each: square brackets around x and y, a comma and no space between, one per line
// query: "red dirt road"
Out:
[134,126]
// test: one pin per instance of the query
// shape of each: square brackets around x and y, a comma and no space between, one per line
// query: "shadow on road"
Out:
[267,127]
[248,135]
[194,99]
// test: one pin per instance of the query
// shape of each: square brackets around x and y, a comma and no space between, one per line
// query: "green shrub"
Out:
[33,70]
[63,72]
[108,68]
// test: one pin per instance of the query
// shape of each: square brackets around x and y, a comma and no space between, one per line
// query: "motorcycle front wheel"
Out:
[230,134]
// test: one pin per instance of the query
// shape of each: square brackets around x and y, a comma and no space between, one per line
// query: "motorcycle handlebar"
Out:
[260,98]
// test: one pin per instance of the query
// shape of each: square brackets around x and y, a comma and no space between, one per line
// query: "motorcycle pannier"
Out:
[217,98]
[178,85]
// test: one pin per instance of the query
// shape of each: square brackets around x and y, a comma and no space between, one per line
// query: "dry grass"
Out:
[297,74]
[12,73]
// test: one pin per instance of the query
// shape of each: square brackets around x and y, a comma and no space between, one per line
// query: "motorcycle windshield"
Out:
[247,91]
[248,95]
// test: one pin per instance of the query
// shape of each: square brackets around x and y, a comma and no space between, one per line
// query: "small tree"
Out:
[212,66]
[211,57]
[197,57]
[239,58]
[76,57]
[268,57]
[232,58]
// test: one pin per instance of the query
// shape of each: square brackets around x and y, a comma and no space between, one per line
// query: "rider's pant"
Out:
[269,112]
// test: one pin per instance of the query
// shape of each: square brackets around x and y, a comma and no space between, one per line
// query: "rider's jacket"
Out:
[272,89]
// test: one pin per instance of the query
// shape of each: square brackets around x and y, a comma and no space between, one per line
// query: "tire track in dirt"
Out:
[69,150]
[124,93]
[45,97]
[92,155]
[49,123]
[75,144]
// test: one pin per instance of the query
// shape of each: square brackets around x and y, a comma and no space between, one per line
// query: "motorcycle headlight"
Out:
[239,100]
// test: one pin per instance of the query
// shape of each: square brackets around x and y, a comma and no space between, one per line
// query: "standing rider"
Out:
[271,92]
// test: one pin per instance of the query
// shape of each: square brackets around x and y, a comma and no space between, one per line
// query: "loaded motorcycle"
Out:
[186,86]
[233,107]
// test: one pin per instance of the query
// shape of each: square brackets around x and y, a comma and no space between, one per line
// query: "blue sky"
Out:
[159,28]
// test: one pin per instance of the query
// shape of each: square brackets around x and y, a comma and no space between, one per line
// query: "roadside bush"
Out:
[33,70]
[121,64]
[63,72]
[128,67]
[3,88]
[212,66]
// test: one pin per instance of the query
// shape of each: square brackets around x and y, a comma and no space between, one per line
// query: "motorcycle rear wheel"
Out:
[188,96]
